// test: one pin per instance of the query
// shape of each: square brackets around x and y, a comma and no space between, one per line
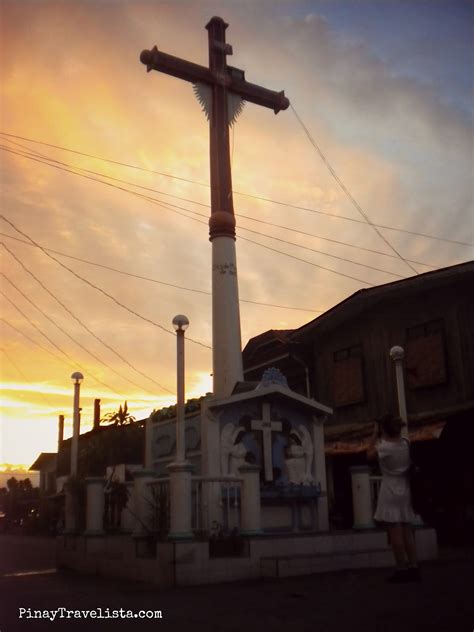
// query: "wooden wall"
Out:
[387,323]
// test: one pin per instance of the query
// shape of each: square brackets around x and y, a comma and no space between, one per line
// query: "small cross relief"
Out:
[267,426]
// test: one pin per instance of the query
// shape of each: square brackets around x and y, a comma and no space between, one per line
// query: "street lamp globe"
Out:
[397,353]
[180,322]
[77,377]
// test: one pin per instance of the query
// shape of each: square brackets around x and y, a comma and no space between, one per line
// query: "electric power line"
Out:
[254,219]
[208,206]
[20,372]
[256,243]
[347,192]
[256,197]
[83,347]
[72,362]
[84,326]
[99,289]
[333,241]
[173,208]
[364,265]
[152,280]
[45,349]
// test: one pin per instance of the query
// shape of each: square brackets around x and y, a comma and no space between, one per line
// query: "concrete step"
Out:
[287,565]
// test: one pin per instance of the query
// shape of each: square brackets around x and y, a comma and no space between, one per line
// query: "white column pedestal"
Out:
[361,498]
[180,501]
[319,472]
[95,502]
[250,509]
[143,502]
[127,517]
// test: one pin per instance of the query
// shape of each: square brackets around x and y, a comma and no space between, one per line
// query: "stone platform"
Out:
[181,563]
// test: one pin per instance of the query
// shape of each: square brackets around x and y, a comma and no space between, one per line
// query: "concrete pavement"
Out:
[355,601]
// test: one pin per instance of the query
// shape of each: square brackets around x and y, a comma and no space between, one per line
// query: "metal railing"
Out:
[160,489]
[115,499]
[224,492]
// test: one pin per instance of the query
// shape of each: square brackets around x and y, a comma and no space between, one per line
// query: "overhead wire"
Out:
[150,279]
[347,192]
[25,378]
[344,259]
[71,362]
[35,326]
[333,241]
[241,193]
[357,263]
[161,202]
[173,207]
[254,219]
[84,326]
[34,342]
[51,320]
[99,289]
[55,356]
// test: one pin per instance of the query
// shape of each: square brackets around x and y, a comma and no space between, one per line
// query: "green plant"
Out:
[121,417]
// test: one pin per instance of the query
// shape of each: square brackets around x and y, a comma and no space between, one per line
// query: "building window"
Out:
[425,355]
[348,385]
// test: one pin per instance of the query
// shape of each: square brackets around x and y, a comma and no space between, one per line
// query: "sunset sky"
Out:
[385,91]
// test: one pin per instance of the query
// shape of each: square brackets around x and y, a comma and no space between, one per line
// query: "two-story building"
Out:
[342,358]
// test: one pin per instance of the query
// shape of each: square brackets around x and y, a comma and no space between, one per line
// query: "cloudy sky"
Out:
[384,90]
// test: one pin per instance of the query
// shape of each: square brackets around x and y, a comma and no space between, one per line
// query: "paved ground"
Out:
[352,601]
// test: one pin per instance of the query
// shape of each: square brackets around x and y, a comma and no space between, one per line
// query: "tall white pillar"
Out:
[250,509]
[180,323]
[95,503]
[226,336]
[361,497]
[180,501]
[127,517]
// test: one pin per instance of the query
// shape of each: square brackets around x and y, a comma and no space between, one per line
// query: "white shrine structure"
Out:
[237,488]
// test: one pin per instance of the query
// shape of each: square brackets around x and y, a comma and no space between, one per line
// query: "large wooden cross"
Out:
[222,79]
[221,82]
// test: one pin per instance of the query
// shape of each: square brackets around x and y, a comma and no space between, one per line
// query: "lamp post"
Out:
[180,323]
[180,470]
[397,354]
[77,379]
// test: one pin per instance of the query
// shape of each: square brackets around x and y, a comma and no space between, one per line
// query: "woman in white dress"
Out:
[394,506]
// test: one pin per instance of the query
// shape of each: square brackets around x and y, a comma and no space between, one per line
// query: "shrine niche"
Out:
[276,433]
[281,432]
